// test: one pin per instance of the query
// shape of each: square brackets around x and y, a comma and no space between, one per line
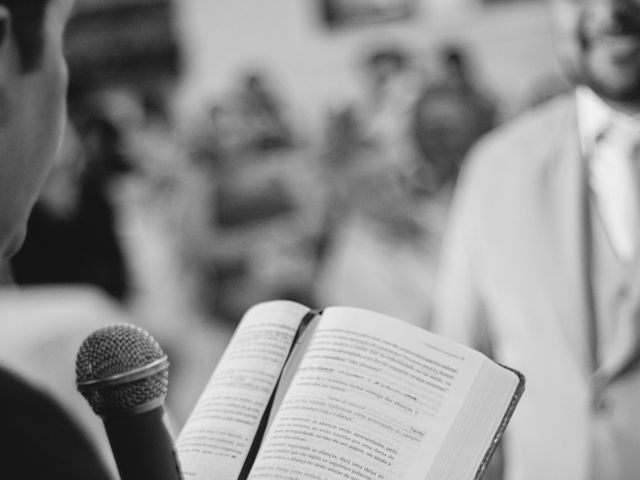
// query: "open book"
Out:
[345,394]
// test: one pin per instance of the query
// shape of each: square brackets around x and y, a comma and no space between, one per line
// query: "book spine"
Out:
[257,440]
[503,425]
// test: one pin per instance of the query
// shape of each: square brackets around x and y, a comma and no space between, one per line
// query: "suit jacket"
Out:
[39,440]
[515,280]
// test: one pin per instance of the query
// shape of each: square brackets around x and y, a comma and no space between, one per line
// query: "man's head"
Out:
[383,64]
[33,81]
[599,42]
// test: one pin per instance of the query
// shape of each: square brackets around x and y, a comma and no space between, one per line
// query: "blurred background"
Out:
[225,152]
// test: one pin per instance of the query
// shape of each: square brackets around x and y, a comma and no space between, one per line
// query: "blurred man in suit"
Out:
[38,439]
[541,265]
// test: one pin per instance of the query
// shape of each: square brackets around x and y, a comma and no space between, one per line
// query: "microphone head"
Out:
[121,369]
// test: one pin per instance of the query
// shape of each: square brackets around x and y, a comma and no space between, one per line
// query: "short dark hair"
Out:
[27,23]
[454,55]
[391,54]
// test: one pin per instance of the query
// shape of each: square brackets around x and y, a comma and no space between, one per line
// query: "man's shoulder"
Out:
[507,161]
[528,138]
[35,426]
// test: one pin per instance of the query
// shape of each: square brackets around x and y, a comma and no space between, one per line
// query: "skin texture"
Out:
[599,43]
[32,118]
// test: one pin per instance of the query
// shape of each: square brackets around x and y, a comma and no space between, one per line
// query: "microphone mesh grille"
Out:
[119,349]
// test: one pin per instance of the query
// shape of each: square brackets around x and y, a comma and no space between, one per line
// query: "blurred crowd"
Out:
[185,225]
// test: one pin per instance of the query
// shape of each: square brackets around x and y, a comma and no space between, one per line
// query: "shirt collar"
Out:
[595,117]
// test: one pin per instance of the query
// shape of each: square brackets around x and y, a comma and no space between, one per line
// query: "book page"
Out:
[371,394]
[219,432]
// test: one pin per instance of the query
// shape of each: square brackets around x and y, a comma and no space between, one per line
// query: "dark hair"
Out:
[454,55]
[395,55]
[27,18]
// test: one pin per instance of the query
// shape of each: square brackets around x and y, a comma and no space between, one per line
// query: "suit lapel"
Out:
[567,210]
[571,225]
[625,347]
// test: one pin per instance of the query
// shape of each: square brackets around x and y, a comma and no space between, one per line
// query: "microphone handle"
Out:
[142,446]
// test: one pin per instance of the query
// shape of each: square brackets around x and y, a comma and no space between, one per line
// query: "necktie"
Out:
[614,181]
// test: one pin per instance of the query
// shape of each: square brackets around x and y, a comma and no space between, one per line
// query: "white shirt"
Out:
[608,138]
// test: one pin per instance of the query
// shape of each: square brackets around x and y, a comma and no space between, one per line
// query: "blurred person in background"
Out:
[540,267]
[452,112]
[385,69]
[459,78]
[248,228]
[263,113]
[215,144]
[391,86]
[32,93]
[383,247]
[218,134]
[368,134]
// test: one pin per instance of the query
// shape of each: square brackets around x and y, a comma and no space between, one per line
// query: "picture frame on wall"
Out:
[348,13]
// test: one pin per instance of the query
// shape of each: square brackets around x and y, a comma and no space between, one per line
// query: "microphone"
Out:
[124,375]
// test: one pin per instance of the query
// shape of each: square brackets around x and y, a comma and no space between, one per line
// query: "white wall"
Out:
[314,65]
